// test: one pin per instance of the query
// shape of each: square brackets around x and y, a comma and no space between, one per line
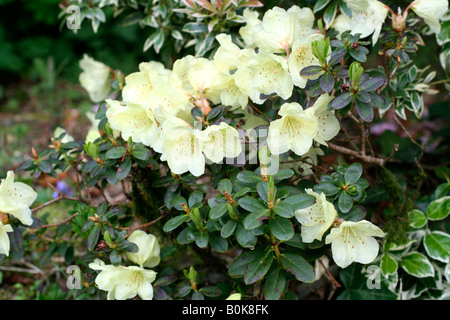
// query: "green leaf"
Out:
[417,265]
[275,284]
[255,219]
[116,152]
[356,214]
[195,197]
[355,72]
[320,4]
[202,239]
[244,237]
[365,110]
[300,201]
[345,202]
[283,174]
[252,204]
[156,39]
[210,291]
[281,228]
[228,228]
[372,84]
[249,177]
[258,268]
[328,188]
[218,210]
[174,223]
[225,185]
[124,169]
[218,243]
[342,100]
[93,237]
[311,71]
[417,219]
[298,266]
[353,173]
[439,209]
[239,265]
[284,209]
[330,14]
[388,265]
[178,202]
[437,245]
[326,82]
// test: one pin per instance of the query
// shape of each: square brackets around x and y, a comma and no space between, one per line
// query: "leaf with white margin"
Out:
[417,219]
[437,245]
[417,265]
[439,208]
[388,265]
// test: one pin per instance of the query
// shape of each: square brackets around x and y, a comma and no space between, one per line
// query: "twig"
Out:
[330,276]
[259,111]
[56,224]
[142,226]
[366,158]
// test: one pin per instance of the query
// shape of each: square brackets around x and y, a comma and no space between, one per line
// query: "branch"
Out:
[365,158]
[56,224]
[142,226]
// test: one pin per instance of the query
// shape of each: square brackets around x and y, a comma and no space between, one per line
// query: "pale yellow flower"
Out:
[4,239]
[316,219]
[329,125]
[95,78]
[354,242]
[302,57]
[16,199]
[294,131]
[124,283]
[133,120]
[148,255]
[431,11]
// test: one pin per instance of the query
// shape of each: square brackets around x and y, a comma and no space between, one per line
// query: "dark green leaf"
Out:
[281,228]
[252,204]
[258,268]
[326,82]
[365,110]
[255,219]
[372,84]
[218,243]
[93,237]
[311,71]
[174,223]
[218,210]
[228,229]
[244,237]
[353,173]
[342,100]
[274,284]
[116,152]
[249,177]
[345,202]
[124,169]
[328,188]
[284,209]
[298,266]
[211,291]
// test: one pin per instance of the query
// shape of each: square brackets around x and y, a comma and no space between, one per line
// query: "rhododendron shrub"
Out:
[253,153]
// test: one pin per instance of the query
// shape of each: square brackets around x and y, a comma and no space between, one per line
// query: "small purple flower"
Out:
[63,188]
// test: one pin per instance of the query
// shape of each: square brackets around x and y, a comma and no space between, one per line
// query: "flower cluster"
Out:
[368,16]
[157,103]
[123,282]
[350,241]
